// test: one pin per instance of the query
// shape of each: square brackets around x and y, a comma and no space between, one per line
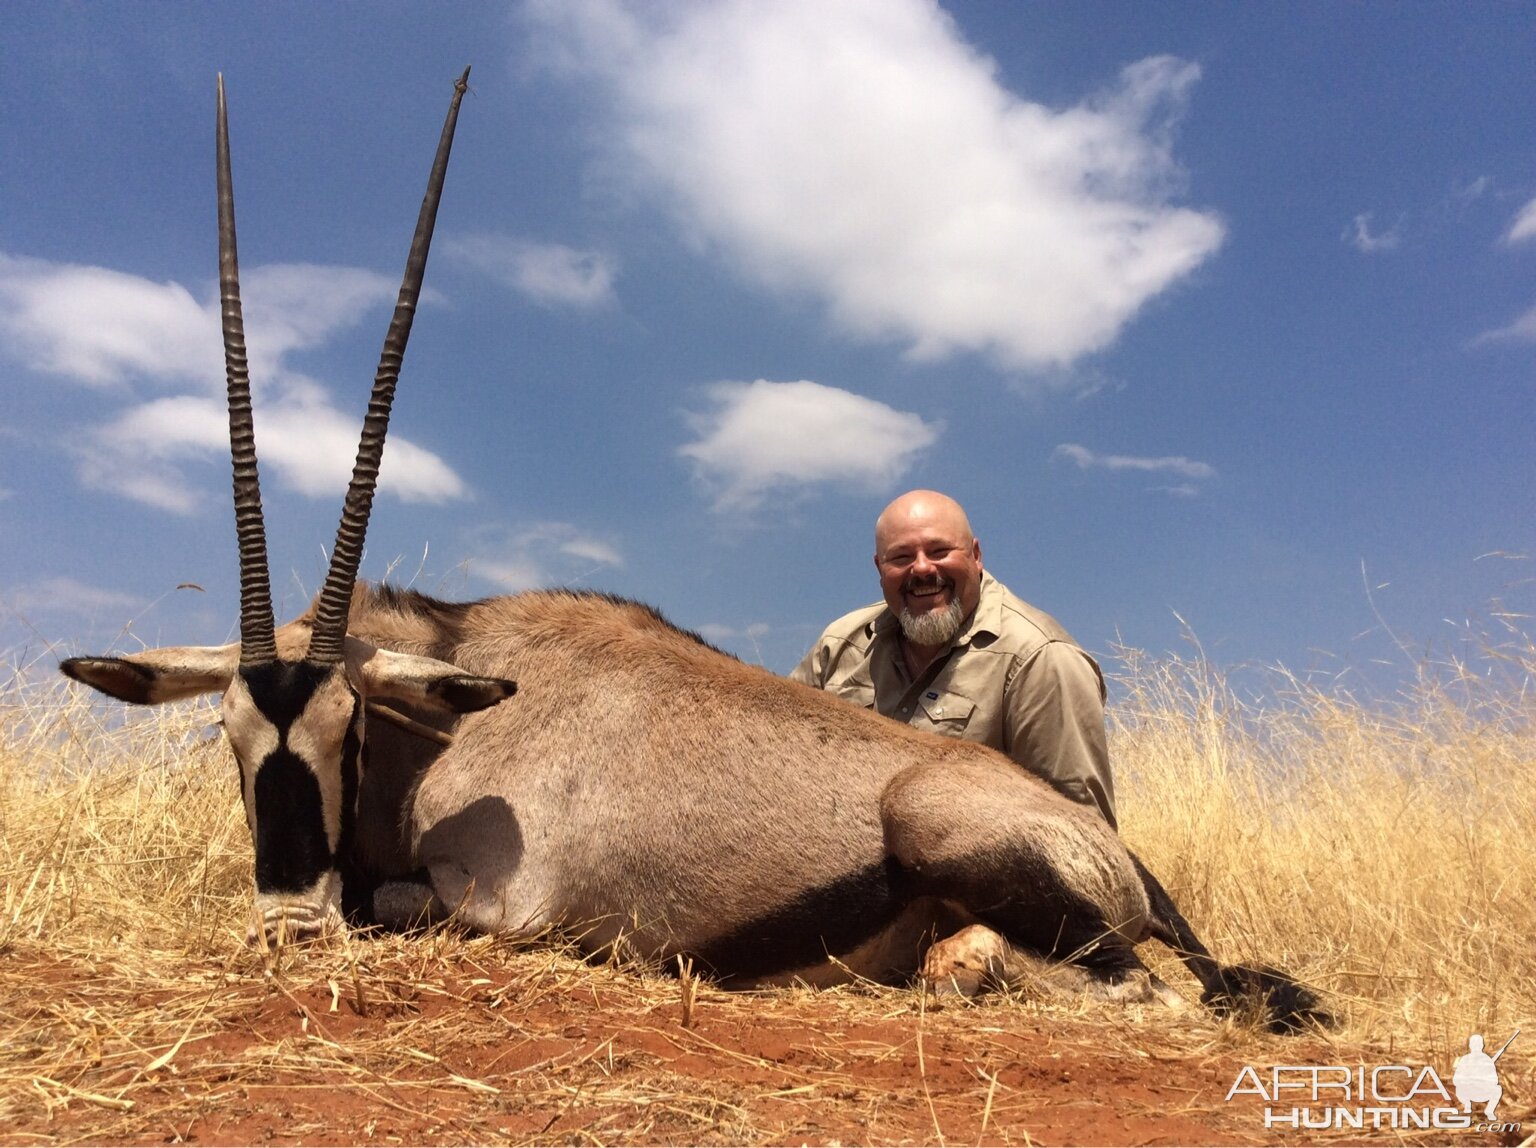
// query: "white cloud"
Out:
[735,637]
[1360,236]
[1476,189]
[767,436]
[864,152]
[105,328]
[1522,330]
[539,554]
[294,306]
[547,273]
[102,327]
[54,596]
[309,445]
[1524,226]
[719,634]
[1176,465]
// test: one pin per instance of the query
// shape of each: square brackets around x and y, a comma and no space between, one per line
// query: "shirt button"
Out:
[906,710]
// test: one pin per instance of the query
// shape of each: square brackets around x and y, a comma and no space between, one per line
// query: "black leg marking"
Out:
[1281,1004]
[1278,1002]
[834,918]
[357,894]
[1032,907]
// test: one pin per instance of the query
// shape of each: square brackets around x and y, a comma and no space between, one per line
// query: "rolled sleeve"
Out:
[1055,724]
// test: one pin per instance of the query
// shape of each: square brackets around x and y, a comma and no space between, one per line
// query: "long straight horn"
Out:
[330,626]
[257,643]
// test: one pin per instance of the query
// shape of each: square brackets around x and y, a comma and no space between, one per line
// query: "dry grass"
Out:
[1380,851]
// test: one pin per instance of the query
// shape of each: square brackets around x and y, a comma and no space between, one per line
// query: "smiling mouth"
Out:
[926,590]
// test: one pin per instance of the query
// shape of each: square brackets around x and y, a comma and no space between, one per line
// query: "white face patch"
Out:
[252,736]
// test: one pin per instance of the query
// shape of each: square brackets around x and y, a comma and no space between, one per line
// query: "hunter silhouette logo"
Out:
[1476,1076]
[1338,1096]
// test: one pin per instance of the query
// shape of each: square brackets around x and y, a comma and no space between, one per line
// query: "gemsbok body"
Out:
[642,786]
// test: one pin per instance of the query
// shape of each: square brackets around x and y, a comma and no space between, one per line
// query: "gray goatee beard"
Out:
[934,628]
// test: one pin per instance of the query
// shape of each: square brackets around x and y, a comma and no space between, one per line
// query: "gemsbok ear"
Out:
[425,681]
[156,676]
[466,693]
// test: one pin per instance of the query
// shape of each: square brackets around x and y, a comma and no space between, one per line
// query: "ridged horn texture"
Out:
[257,643]
[328,637]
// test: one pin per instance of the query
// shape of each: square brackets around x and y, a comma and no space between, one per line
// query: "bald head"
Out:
[927,508]
[930,566]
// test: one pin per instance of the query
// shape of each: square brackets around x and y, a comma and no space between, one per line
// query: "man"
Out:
[953,651]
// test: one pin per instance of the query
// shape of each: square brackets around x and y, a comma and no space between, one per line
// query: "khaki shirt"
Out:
[1012,679]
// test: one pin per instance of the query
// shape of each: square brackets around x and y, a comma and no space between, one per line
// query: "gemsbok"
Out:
[643,785]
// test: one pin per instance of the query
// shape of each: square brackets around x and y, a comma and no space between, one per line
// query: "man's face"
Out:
[927,560]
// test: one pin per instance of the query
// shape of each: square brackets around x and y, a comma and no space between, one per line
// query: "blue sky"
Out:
[1210,314]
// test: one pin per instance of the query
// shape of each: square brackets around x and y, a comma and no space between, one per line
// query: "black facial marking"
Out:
[281,690]
[351,779]
[832,919]
[292,850]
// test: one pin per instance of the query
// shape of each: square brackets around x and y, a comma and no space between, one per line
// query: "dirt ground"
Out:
[456,1044]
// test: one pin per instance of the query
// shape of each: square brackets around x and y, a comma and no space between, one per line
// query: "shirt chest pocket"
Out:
[944,712]
[861,694]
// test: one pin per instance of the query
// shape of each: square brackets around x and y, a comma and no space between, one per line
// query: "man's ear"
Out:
[976,551]
[424,681]
[156,676]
